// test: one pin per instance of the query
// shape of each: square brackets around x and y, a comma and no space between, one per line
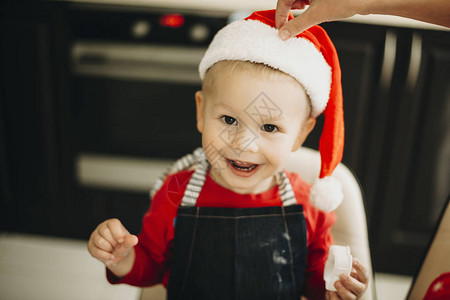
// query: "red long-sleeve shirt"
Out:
[153,252]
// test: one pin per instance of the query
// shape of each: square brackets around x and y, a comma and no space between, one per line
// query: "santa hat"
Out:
[311,59]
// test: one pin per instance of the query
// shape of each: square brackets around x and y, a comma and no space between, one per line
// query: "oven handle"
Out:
[119,172]
[137,62]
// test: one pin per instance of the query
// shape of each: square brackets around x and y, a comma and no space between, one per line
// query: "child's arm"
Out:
[148,262]
[113,245]
[353,286]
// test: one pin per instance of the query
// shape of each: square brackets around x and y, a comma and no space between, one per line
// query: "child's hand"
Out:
[111,243]
[353,286]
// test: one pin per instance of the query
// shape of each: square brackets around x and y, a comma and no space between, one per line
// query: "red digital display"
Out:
[171,20]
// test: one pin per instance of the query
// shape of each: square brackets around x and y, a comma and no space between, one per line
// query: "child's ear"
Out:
[308,125]
[199,103]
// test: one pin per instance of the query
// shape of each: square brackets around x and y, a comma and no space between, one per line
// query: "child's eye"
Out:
[229,120]
[269,128]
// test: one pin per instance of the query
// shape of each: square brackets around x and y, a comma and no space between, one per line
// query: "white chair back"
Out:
[351,227]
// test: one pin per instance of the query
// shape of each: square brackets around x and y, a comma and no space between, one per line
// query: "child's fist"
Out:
[353,286]
[111,242]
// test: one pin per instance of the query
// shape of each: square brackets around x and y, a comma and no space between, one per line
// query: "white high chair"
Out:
[350,228]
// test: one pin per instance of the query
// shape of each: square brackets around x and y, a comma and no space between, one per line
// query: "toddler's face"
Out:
[249,127]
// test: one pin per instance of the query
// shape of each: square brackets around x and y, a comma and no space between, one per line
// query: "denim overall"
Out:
[238,253]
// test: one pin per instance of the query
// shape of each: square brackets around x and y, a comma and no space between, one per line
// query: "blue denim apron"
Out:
[238,253]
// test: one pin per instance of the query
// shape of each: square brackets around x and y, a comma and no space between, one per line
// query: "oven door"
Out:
[133,111]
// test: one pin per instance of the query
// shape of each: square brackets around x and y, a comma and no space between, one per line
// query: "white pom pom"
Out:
[326,193]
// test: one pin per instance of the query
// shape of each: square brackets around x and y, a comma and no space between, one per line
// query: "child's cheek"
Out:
[275,150]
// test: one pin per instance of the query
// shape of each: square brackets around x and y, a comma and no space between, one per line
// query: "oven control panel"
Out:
[145,25]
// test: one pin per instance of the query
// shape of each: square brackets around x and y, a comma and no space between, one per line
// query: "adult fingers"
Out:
[300,4]
[308,18]
[282,12]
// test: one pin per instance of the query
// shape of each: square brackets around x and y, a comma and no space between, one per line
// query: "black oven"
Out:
[134,73]
[134,79]
[135,99]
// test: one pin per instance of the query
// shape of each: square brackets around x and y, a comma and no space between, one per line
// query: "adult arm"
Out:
[319,11]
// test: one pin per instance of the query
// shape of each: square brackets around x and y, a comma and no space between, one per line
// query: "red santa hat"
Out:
[311,59]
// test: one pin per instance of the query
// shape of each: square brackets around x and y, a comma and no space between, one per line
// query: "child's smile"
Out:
[243,169]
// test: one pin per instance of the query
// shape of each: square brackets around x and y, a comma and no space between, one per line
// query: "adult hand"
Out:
[112,244]
[319,11]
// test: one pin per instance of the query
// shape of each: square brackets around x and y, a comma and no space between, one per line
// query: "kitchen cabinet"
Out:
[396,85]
[396,102]
[414,179]
[33,141]
[5,198]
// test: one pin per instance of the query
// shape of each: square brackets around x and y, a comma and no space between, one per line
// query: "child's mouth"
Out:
[240,168]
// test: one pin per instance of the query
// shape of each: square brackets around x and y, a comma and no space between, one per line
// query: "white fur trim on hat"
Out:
[326,193]
[254,41]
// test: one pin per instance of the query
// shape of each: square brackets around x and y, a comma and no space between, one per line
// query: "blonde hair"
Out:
[257,69]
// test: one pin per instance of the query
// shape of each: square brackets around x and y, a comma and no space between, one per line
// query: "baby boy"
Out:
[228,222]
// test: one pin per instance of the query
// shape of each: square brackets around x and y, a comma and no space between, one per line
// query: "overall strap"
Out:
[184,163]
[285,189]
[195,184]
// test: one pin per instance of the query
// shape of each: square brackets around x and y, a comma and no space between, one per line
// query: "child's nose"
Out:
[253,146]
[245,140]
